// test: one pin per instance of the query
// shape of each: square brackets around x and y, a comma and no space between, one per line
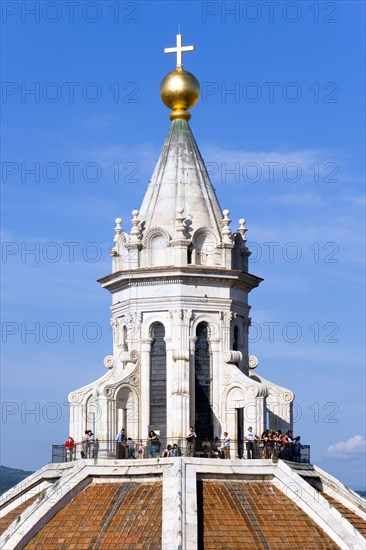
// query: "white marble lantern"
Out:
[180,312]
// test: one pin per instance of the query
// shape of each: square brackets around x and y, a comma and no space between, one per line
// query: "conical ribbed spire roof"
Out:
[180,180]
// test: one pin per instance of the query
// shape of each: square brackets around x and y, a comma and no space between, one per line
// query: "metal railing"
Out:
[113,449]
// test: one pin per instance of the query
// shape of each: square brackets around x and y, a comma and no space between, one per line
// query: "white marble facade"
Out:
[180,265]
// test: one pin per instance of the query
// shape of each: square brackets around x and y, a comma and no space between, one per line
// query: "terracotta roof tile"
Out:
[6,520]
[234,515]
[357,522]
[106,516]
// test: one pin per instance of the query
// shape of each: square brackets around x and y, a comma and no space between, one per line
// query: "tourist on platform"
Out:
[286,450]
[167,452]
[190,439]
[121,440]
[297,449]
[130,448]
[226,446]
[84,444]
[216,448]
[90,444]
[96,448]
[206,446]
[249,440]
[70,449]
[278,442]
[140,449]
[175,450]
[154,443]
[271,444]
[262,444]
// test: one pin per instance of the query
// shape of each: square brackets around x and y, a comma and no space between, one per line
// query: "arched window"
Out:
[158,250]
[158,379]
[203,412]
[205,249]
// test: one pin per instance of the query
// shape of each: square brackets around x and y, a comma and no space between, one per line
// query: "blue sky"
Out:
[280,126]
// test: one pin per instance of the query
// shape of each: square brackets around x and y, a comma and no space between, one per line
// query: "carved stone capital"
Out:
[128,356]
[180,355]
[232,356]
[76,398]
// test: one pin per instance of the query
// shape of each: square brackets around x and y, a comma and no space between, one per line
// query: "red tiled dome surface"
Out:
[236,515]
[106,516]
[6,520]
[357,522]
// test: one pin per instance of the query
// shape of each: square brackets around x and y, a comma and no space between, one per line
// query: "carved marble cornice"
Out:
[192,274]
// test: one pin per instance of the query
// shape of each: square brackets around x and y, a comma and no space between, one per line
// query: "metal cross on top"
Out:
[179,50]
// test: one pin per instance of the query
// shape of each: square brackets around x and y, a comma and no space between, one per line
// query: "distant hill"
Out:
[10,477]
[361,493]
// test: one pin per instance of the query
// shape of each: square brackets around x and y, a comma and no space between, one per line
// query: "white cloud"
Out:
[355,445]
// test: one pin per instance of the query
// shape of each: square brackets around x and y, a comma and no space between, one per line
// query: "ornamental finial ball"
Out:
[180,91]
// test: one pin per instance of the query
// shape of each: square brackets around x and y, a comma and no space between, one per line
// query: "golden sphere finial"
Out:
[180,91]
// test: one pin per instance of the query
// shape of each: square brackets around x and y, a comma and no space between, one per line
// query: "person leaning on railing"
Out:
[286,450]
[226,446]
[249,439]
[262,444]
[190,439]
[206,447]
[154,443]
[70,449]
[121,441]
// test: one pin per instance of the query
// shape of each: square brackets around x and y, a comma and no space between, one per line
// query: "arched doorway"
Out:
[202,363]
[126,412]
[158,379]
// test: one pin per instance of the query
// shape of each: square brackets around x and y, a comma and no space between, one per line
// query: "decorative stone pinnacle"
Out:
[135,223]
[242,229]
[118,228]
[225,231]
[179,226]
